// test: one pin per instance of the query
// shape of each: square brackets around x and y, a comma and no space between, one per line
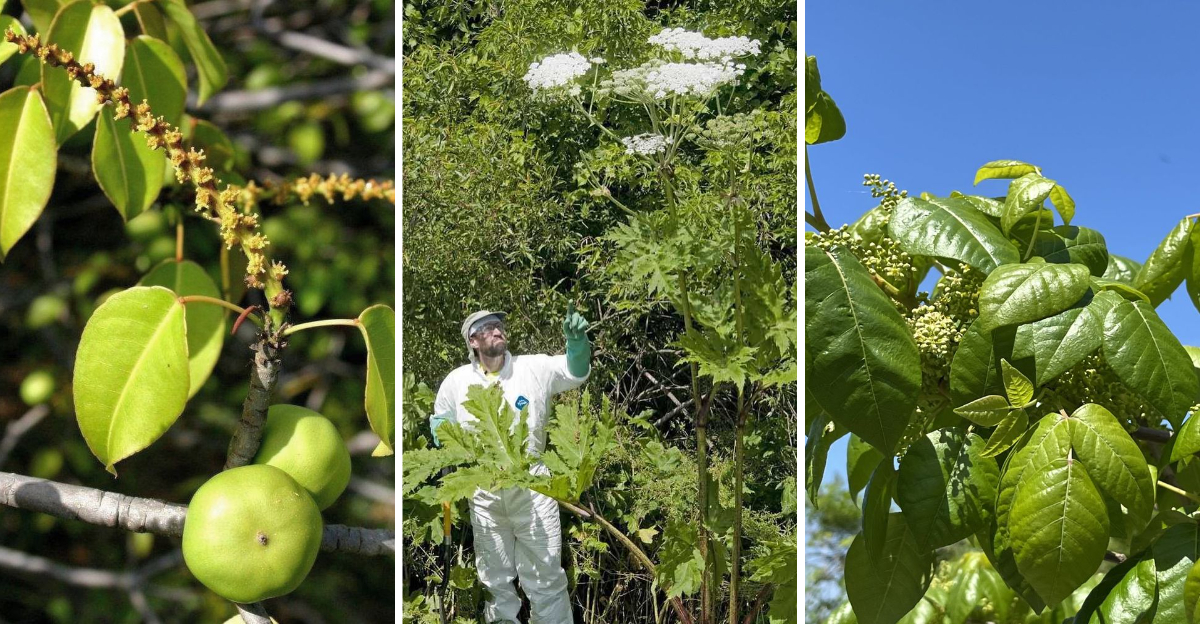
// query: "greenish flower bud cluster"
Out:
[885,258]
[938,325]
[1094,381]
[731,132]
[885,190]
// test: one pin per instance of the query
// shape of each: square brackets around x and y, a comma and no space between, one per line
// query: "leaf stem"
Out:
[1037,223]
[129,7]
[816,219]
[219,302]
[326,323]
[1181,492]
[179,240]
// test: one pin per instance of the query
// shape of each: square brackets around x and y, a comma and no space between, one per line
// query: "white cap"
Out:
[470,321]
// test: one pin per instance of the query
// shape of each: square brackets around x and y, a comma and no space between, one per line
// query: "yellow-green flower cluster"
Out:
[1094,381]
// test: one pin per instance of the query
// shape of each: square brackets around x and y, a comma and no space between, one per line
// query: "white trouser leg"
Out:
[539,556]
[495,549]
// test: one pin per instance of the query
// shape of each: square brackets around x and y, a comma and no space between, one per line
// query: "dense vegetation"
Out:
[264,103]
[1032,419]
[683,261]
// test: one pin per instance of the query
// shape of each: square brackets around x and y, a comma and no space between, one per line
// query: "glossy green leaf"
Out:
[822,433]
[1126,594]
[1191,593]
[951,229]
[1006,567]
[1193,271]
[378,324]
[986,411]
[946,487]
[153,72]
[1025,196]
[1004,169]
[1175,554]
[865,370]
[1122,269]
[93,33]
[1187,442]
[1019,293]
[1148,359]
[1017,386]
[1047,442]
[1063,202]
[207,136]
[883,589]
[986,205]
[42,12]
[975,369]
[861,460]
[128,171]
[28,161]
[151,20]
[823,121]
[1059,529]
[1125,291]
[1067,244]
[8,22]
[1167,265]
[877,507]
[1057,343]
[131,372]
[205,322]
[1113,460]
[1006,433]
[210,67]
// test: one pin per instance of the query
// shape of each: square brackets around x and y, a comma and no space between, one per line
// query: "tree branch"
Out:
[18,561]
[19,427]
[259,99]
[147,515]
[759,601]
[1149,434]
[253,613]
[248,435]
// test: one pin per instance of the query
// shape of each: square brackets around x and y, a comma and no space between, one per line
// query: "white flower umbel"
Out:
[694,45]
[556,74]
[657,80]
[645,144]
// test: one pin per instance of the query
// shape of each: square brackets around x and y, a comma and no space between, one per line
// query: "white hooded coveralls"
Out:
[517,533]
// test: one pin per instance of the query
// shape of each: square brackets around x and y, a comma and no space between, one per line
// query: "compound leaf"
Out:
[1025,196]
[1007,432]
[1004,169]
[1057,343]
[131,372]
[1067,244]
[986,411]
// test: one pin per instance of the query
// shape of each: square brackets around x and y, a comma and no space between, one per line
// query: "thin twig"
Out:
[259,99]
[19,427]
[253,613]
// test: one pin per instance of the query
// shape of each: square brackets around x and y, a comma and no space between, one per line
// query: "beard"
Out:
[493,349]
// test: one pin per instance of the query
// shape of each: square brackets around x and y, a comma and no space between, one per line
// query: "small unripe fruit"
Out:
[37,387]
[308,447]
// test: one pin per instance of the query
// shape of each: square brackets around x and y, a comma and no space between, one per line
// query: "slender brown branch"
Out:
[248,435]
[148,515]
[759,601]
[19,427]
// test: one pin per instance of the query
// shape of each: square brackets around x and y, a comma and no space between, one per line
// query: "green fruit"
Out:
[237,619]
[251,533]
[309,448]
[37,387]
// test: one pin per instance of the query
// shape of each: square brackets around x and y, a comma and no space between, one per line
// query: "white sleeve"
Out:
[558,374]
[446,397]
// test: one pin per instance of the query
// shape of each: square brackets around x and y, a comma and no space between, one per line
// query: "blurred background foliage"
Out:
[288,110]
[498,215]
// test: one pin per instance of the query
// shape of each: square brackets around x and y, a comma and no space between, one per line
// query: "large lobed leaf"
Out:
[950,228]
[865,368]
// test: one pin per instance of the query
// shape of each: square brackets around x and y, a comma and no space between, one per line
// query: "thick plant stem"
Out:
[248,436]
[739,439]
[759,601]
[816,219]
[253,613]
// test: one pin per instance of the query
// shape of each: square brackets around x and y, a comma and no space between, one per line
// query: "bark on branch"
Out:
[248,435]
[148,515]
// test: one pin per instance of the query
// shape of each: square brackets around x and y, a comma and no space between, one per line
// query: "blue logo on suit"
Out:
[522,402]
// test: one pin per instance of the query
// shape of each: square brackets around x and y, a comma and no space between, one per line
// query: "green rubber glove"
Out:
[435,420]
[579,350]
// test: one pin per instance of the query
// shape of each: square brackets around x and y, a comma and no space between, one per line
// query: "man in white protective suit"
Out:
[517,534]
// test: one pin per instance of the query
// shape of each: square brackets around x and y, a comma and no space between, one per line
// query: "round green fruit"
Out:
[308,447]
[251,533]
[37,387]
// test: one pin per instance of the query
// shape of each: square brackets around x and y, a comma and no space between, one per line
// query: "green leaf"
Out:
[28,161]
[1175,554]
[1193,271]
[986,205]
[883,589]
[877,507]
[719,356]
[821,435]
[1191,593]
[1059,529]
[128,171]
[946,487]
[1126,594]
[681,564]
[865,369]
[1066,244]
[1188,441]
[210,67]
[1017,386]
[975,368]
[153,72]
[1007,433]
[378,325]
[208,137]
[950,228]
[151,20]
[1122,269]
[131,372]
[1125,291]
[42,12]
[93,33]
[1113,460]
[8,22]
[861,460]
[1059,342]
[1004,169]
[823,122]
[986,411]
[1019,293]
[1167,265]
[205,322]
[1025,196]
[1047,442]
[1149,360]
[1063,202]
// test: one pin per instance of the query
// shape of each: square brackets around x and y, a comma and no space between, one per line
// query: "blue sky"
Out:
[1105,101]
